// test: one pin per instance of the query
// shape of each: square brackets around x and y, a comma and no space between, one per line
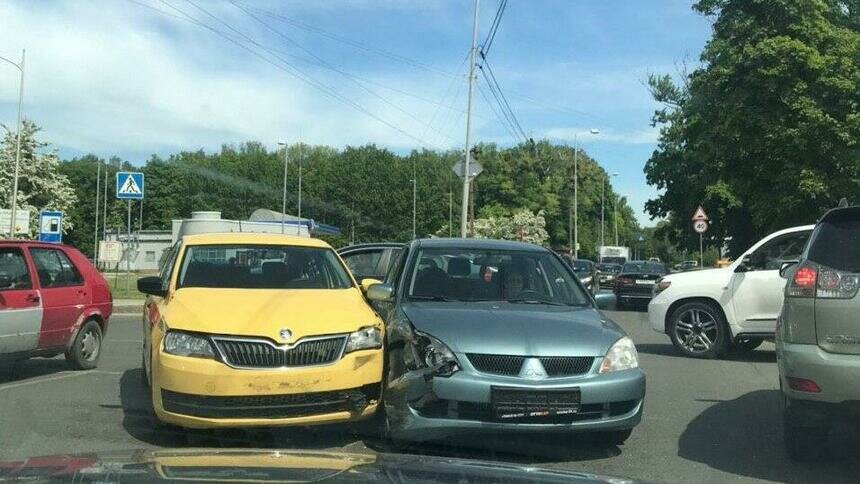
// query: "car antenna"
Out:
[842,203]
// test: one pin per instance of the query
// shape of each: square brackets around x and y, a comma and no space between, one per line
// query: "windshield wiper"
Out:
[437,297]
[536,301]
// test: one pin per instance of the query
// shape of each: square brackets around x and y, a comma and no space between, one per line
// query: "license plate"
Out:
[513,403]
[644,281]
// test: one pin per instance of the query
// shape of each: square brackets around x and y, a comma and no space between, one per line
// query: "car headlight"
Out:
[661,286]
[621,356]
[432,353]
[586,280]
[364,339]
[187,344]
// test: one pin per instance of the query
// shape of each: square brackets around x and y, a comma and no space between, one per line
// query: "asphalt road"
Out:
[705,421]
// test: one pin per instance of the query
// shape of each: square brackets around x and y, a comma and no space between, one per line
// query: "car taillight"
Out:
[803,282]
[803,385]
[812,280]
[833,284]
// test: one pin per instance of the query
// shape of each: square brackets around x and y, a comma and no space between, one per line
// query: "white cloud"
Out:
[113,77]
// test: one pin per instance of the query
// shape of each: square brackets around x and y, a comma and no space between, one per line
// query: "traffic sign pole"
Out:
[128,251]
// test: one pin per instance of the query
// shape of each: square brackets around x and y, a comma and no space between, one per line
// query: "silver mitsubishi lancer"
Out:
[498,336]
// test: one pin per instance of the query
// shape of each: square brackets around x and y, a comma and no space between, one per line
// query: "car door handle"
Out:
[32,298]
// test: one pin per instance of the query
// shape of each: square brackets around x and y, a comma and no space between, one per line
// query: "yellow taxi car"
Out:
[250,329]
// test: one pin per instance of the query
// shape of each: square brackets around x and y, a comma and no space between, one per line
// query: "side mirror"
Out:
[152,286]
[367,282]
[745,264]
[785,266]
[605,300]
[380,292]
[5,281]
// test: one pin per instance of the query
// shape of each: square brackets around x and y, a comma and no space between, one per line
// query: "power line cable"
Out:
[496,112]
[494,27]
[506,107]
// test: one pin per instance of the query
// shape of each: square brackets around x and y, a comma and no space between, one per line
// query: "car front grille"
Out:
[270,406]
[497,364]
[566,365]
[509,365]
[251,353]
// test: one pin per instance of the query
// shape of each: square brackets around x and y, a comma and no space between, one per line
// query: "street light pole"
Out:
[615,218]
[414,199]
[575,244]
[284,196]
[464,209]
[20,67]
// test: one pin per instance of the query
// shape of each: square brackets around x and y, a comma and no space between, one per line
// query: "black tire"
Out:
[703,328]
[746,345]
[86,349]
[804,444]
[614,437]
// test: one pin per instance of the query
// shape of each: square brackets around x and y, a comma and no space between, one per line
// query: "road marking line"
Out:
[57,377]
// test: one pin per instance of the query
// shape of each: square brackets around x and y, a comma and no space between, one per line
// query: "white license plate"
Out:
[644,281]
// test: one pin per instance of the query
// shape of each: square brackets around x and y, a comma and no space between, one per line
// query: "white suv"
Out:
[710,311]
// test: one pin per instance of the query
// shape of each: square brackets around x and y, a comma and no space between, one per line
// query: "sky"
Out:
[134,78]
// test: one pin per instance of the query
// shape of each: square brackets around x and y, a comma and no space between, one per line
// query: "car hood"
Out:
[264,312]
[249,465]
[515,329]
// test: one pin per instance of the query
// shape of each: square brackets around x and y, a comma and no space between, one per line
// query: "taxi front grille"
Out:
[250,353]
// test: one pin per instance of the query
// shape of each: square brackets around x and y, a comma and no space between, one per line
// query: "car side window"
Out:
[14,274]
[167,265]
[395,269]
[55,269]
[780,249]
[363,264]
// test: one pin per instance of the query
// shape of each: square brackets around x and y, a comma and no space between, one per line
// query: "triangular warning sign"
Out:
[129,187]
[700,214]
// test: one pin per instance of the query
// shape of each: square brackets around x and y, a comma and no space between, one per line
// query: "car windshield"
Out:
[644,268]
[609,268]
[493,275]
[261,267]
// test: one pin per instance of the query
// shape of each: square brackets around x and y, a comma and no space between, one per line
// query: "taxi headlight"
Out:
[187,344]
[621,356]
[365,338]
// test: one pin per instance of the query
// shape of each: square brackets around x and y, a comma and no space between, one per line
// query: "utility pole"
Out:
[18,144]
[575,246]
[104,207]
[414,198]
[96,235]
[615,218]
[284,196]
[450,213]
[602,209]
[300,162]
[464,210]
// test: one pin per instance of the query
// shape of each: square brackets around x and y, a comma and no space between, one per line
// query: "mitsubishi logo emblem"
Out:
[532,370]
[285,334]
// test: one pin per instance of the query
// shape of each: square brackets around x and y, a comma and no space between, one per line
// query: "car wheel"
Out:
[614,437]
[698,330]
[86,349]
[804,443]
[746,344]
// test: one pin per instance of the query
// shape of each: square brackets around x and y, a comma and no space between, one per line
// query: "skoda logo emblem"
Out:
[285,334]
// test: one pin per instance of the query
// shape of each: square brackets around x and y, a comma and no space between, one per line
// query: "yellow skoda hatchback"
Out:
[249,329]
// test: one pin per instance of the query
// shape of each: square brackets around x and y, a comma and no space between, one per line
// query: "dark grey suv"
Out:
[818,334]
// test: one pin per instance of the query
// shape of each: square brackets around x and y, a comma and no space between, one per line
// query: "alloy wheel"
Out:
[696,330]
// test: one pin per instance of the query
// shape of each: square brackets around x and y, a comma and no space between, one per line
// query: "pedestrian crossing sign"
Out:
[129,185]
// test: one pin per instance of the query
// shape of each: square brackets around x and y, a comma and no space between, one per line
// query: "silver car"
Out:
[818,334]
[496,336]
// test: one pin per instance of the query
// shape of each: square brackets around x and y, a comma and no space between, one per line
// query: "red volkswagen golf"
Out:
[52,301]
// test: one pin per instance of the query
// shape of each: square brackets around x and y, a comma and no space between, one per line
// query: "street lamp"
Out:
[20,67]
[284,197]
[602,205]
[574,240]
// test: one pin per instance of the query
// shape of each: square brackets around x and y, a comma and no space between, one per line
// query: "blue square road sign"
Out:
[129,185]
[51,226]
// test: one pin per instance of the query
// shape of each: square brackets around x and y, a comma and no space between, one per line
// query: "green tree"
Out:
[765,133]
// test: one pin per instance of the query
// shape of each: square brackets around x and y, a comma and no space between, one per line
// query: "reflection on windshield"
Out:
[486,275]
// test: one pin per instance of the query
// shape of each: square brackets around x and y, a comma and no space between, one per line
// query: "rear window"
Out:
[262,267]
[644,268]
[836,242]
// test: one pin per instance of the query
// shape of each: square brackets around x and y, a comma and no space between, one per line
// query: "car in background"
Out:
[635,282]
[606,273]
[499,337]
[818,335]
[227,345]
[52,301]
[586,271]
[370,261]
[687,265]
[653,259]
[708,312]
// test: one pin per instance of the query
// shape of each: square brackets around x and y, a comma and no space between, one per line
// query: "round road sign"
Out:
[700,226]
